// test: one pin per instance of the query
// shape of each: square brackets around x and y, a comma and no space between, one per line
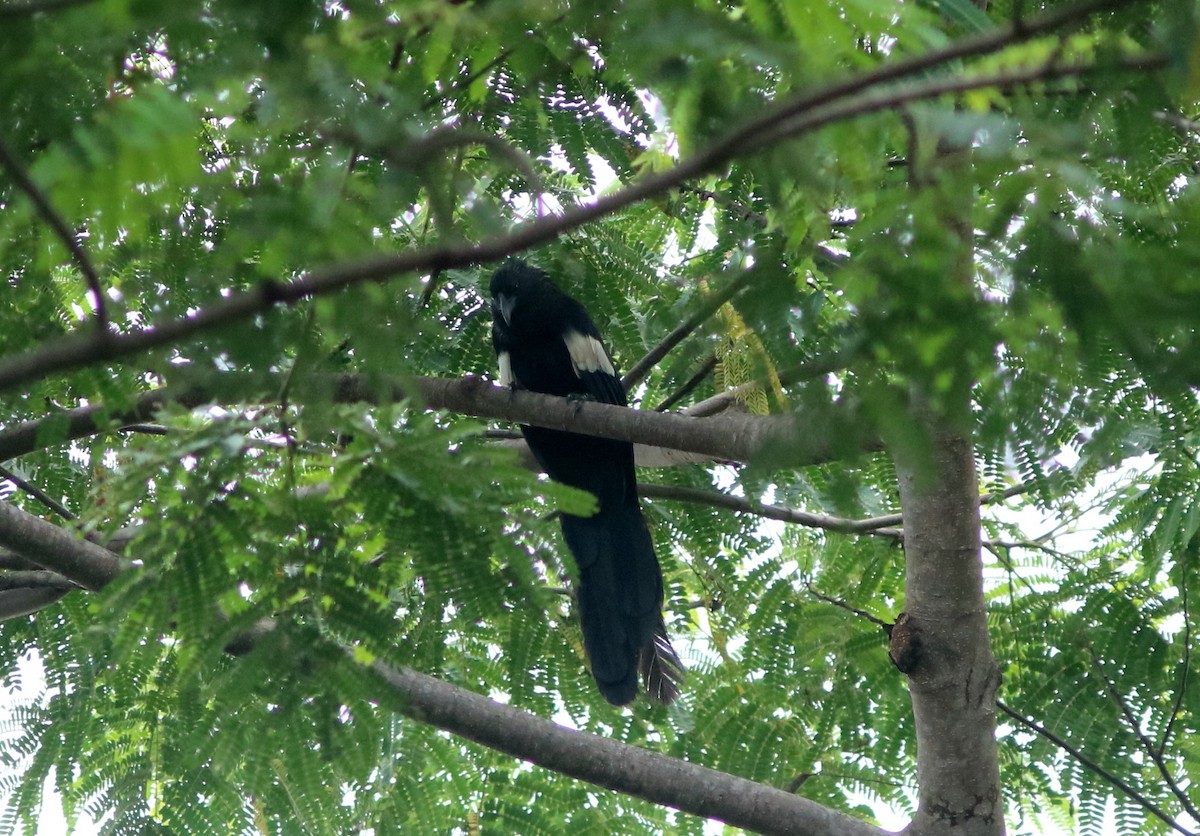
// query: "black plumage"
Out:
[546,342]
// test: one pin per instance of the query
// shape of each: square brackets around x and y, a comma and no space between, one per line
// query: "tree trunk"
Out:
[941,642]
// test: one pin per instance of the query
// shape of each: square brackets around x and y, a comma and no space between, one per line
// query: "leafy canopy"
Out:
[202,150]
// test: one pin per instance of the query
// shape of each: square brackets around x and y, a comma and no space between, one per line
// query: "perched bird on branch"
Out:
[546,342]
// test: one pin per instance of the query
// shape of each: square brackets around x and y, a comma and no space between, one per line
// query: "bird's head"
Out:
[513,281]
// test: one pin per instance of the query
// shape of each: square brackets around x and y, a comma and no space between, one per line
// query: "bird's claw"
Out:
[578,399]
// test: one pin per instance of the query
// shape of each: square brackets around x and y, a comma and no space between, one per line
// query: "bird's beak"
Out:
[503,304]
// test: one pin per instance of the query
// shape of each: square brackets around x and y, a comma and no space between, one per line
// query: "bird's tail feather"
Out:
[620,595]
[660,667]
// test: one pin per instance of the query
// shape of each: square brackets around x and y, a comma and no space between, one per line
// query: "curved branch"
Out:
[617,766]
[800,114]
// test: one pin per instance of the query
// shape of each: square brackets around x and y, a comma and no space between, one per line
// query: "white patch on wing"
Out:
[505,361]
[587,354]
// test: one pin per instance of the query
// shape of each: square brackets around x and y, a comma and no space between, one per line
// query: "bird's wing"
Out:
[593,367]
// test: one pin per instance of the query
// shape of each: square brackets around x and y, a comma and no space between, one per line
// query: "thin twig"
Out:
[1147,745]
[24,182]
[1007,493]
[144,429]
[808,370]
[708,307]
[1095,768]
[470,79]
[837,602]
[1187,659]
[689,385]
[875,525]
[38,494]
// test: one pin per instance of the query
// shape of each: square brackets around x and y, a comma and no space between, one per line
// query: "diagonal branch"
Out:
[1146,744]
[606,763]
[709,307]
[803,113]
[54,548]
[706,368]
[617,766]
[15,170]
[1095,768]
[37,493]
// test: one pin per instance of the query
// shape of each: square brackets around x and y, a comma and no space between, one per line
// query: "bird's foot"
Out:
[578,399]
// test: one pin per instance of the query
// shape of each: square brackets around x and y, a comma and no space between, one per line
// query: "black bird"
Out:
[546,342]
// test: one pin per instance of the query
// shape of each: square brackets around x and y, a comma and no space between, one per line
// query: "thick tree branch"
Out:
[82,562]
[35,579]
[606,763]
[15,170]
[803,113]
[728,437]
[627,769]
[20,602]
[953,683]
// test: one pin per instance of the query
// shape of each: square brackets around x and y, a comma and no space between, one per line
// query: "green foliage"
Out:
[206,148]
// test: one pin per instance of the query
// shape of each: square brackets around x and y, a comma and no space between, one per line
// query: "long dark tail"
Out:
[620,595]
